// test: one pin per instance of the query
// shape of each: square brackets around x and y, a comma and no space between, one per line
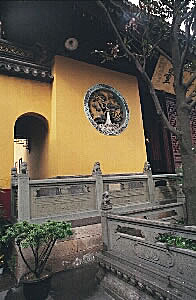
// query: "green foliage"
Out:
[5,249]
[26,234]
[40,238]
[177,241]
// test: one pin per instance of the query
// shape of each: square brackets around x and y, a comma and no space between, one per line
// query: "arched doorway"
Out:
[30,144]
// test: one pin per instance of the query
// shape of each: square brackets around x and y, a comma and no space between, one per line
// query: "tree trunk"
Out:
[189,187]
[188,163]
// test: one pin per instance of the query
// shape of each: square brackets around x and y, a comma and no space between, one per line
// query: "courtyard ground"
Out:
[76,284]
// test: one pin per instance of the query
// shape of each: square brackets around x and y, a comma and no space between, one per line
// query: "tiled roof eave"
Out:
[25,69]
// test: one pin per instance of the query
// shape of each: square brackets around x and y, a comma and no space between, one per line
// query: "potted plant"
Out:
[40,239]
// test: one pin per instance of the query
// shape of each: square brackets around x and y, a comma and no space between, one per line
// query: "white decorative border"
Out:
[100,127]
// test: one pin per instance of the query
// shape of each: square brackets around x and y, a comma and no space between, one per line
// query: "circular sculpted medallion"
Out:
[106,109]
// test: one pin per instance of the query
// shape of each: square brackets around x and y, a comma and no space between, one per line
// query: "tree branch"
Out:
[193,103]
[117,5]
[190,96]
[165,2]
[183,4]
[162,52]
[144,64]
[159,109]
[44,251]
[100,3]
[176,55]
[35,256]
[190,81]
[142,72]
[25,261]
[45,259]
[187,35]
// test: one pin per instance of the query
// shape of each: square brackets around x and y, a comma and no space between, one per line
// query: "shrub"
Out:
[177,241]
[39,238]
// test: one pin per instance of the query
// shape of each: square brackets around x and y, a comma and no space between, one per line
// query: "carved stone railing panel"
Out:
[165,190]
[168,212]
[126,190]
[60,199]
[132,253]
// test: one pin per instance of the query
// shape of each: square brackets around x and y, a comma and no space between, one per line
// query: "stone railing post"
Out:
[99,184]
[23,194]
[180,195]
[150,182]
[14,186]
[106,208]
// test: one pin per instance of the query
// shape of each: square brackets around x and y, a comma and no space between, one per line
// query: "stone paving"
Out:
[77,284]
[16,294]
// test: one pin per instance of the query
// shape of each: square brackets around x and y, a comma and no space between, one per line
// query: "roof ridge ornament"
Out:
[71,44]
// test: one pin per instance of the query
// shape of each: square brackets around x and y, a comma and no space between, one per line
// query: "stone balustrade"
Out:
[135,264]
[79,197]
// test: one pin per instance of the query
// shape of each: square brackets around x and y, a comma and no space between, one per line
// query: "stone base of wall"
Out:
[79,249]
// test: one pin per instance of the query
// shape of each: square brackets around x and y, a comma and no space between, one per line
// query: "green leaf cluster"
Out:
[177,241]
[5,248]
[26,234]
[39,238]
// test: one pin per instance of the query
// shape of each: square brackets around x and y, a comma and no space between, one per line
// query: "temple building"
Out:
[62,110]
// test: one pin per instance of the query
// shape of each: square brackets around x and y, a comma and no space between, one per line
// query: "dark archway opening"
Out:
[30,144]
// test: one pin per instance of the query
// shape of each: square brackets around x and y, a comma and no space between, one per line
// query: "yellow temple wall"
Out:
[17,97]
[72,136]
[73,145]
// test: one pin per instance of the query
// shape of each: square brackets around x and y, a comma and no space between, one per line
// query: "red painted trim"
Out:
[5,202]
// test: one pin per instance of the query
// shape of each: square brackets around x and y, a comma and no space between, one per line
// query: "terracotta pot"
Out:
[36,289]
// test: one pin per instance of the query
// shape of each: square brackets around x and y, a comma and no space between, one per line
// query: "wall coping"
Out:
[155,224]
[67,217]
[53,181]
[154,207]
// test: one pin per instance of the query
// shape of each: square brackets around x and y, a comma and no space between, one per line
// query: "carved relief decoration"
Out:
[158,256]
[8,48]
[106,201]
[96,169]
[106,109]
[62,199]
